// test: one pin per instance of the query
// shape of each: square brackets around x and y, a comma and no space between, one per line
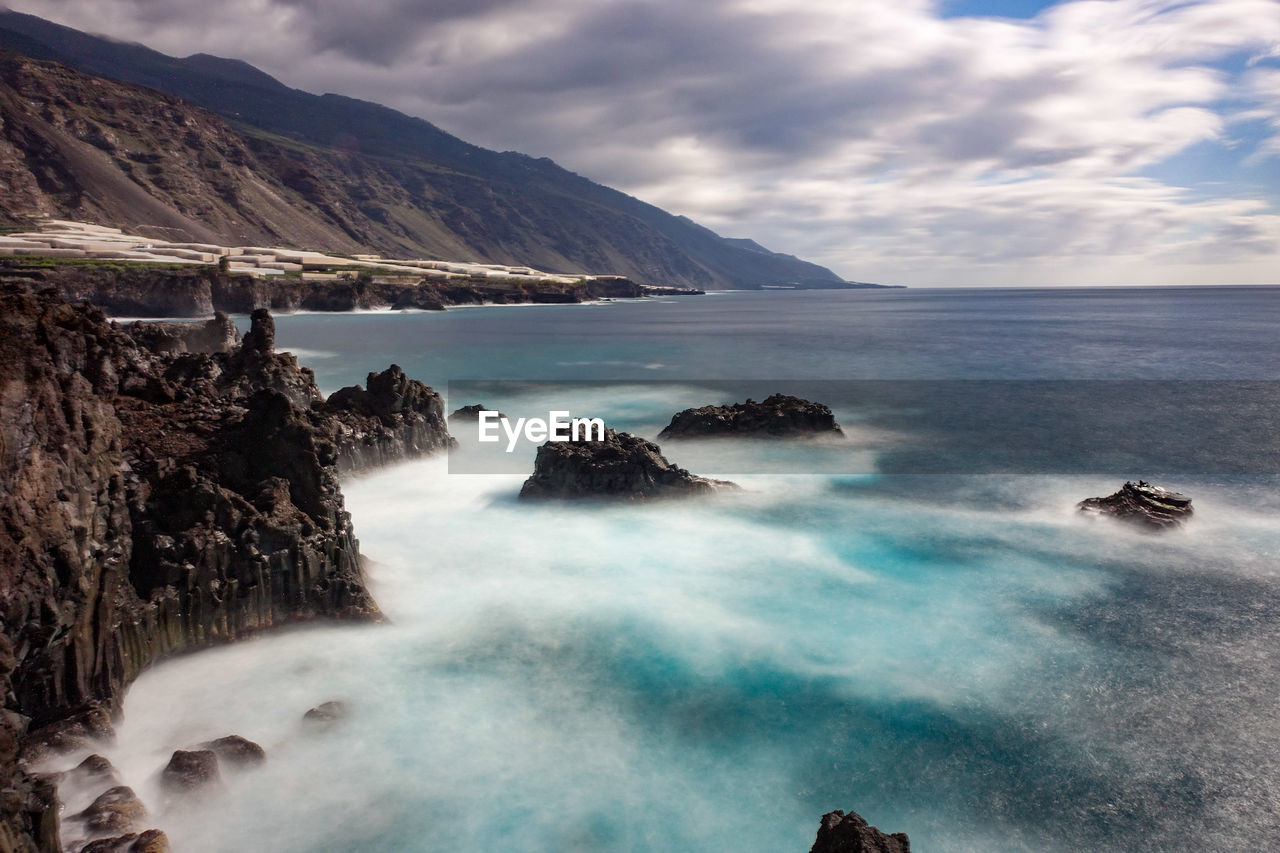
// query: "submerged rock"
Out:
[190,770]
[778,416]
[236,751]
[1142,504]
[849,833]
[622,466]
[326,714]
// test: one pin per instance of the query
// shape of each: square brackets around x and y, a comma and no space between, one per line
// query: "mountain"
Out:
[238,157]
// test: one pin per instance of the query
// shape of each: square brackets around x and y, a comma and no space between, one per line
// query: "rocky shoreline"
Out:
[136,290]
[169,487]
[163,489]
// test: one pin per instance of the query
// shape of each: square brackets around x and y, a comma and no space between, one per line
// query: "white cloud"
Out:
[879,138]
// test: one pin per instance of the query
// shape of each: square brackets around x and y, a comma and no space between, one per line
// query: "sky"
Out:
[919,142]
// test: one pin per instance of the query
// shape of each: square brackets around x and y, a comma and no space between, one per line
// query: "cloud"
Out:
[879,138]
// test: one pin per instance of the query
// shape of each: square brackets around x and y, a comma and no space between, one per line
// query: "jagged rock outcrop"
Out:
[394,418]
[153,503]
[849,833]
[622,466]
[1142,504]
[778,416]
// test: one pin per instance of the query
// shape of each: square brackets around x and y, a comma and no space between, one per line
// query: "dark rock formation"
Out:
[150,504]
[151,841]
[190,770]
[81,730]
[849,833]
[236,751]
[1143,504]
[396,418]
[421,298]
[467,414]
[115,811]
[95,771]
[622,466]
[779,416]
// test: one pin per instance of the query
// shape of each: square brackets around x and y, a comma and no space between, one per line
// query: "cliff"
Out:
[229,155]
[124,289]
[162,489]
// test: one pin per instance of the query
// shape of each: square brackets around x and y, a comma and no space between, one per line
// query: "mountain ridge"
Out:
[380,180]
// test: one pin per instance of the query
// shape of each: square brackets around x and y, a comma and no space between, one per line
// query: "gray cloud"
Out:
[877,138]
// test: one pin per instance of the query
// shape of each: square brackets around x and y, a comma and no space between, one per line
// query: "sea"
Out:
[913,623]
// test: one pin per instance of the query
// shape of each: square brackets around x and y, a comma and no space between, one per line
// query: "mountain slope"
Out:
[307,169]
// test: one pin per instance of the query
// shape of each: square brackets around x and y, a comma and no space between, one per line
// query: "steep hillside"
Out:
[318,170]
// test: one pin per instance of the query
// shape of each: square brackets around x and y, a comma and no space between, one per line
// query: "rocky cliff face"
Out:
[153,502]
[145,291]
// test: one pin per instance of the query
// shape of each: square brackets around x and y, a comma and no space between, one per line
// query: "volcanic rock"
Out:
[396,418]
[116,810]
[81,730]
[849,833]
[467,414]
[236,751]
[190,770]
[778,416]
[151,841]
[622,466]
[94,771]
[1143,504]
[157,502]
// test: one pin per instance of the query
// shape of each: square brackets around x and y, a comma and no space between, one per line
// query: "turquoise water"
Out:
[959,657]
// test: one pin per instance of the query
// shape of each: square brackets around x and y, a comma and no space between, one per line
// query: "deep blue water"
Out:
[956,655]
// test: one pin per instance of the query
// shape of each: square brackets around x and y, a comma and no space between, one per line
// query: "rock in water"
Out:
[396,418]
[779,416]
[116,810]
[151,841]
[621,466]
[849,833]
[326,715]
[1143,504]
[236,751]
[190,770]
